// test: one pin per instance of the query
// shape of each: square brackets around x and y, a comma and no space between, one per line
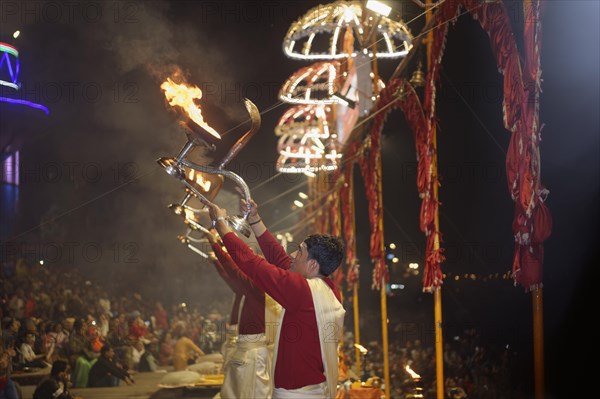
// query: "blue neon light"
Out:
[25,102]
[10,70]
[14,74]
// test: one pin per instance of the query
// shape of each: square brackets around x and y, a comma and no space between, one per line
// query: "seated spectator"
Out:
[117,338]
[56,386]
[10,332]
[139,330]
[28,356]
[103,325]
[88,355]
[143,359]
[453,391]
[162,319]
[96,342]
[52,330]
[8,388]
[107,373]
[182,354]
[62,338]
[165,356]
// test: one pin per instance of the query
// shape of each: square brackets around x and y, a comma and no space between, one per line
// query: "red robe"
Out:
[252,318]
[299,361]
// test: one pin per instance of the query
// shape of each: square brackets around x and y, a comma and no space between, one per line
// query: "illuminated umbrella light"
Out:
[306,120]
[305,141]
[326,23]
[314,84]
[302,154]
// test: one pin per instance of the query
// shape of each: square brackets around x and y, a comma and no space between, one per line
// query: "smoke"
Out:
[151,50]
[119,127]
[109,122]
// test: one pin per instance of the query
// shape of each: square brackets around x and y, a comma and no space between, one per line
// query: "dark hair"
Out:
[77,325]
[327,250]
[105,349]
[58,367]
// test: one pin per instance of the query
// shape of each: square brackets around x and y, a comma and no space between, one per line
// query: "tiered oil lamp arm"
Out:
[238,223]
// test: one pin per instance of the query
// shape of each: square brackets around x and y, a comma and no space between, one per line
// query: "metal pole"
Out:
[538,341]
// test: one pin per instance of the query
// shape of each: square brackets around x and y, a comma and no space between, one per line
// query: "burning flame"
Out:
[361,348]
[189,214]
[411,372]
[199,179]
[183,96]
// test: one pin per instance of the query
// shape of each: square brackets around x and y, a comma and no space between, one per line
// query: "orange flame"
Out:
[204,184]
[183,96]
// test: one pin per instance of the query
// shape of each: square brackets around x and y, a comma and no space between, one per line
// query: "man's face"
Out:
[300,262]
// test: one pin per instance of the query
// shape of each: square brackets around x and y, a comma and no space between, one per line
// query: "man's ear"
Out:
[313,266]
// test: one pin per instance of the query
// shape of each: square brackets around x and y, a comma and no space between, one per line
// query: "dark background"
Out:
[89,176]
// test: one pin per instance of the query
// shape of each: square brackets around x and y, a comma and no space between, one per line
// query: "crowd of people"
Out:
[57,321]
[471,368]
[87,337]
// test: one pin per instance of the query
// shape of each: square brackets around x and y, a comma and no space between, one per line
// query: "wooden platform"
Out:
[145,387]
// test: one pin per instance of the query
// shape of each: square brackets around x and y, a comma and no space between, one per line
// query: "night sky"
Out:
[89,167]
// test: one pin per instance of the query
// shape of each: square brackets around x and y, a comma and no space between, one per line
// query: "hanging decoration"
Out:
[532,223]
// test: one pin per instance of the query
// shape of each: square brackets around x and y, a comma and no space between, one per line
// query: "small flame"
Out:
[199,179]
[411,372]
[183,96]
[361,348]
[189,214]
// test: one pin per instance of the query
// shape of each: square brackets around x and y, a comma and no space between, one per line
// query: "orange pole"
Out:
[384,334]
[538,341]
[437,293]
[355,302]
[384,317]
[437,297]
[439,348]
[356,330]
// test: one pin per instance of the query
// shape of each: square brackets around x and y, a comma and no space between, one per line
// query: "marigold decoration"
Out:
[532,223]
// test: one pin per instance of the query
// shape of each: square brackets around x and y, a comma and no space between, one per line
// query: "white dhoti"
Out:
[316,391]
[247,372]
[329,313]
[230,344]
